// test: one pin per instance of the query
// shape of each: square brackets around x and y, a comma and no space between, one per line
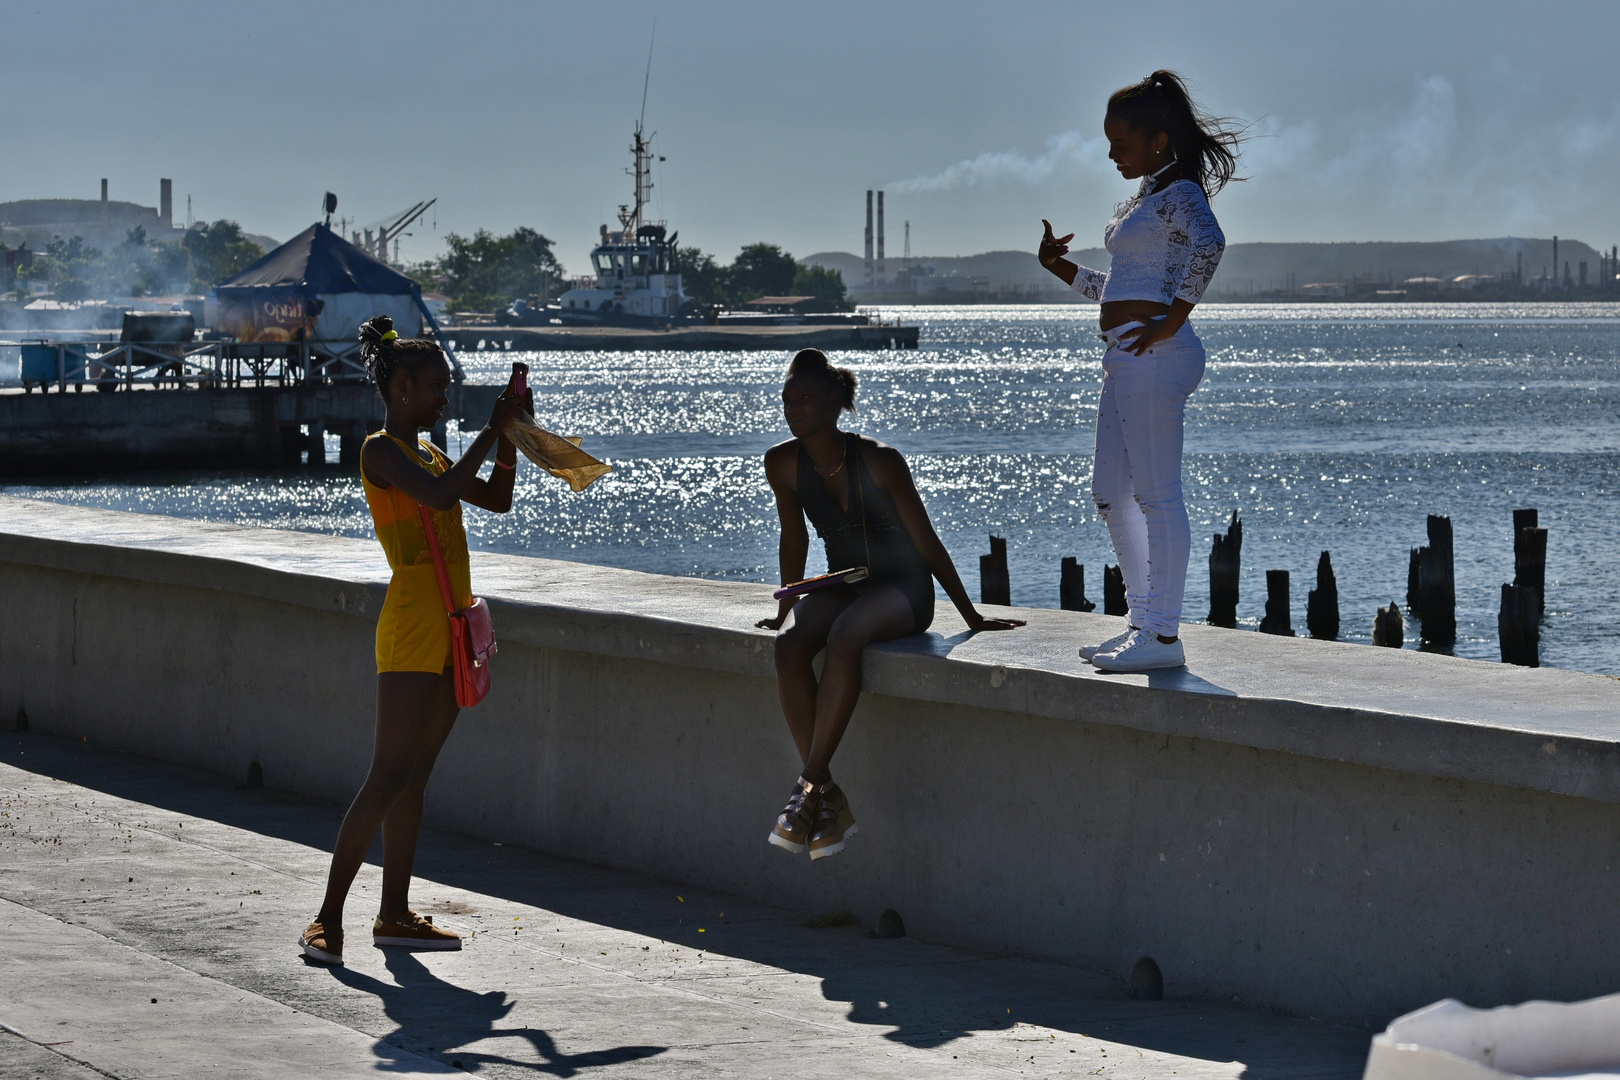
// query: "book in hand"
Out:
[810,585]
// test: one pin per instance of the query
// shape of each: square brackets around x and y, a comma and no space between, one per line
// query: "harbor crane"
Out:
[375,240]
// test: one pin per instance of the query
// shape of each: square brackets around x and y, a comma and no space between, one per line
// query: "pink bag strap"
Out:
[438,559]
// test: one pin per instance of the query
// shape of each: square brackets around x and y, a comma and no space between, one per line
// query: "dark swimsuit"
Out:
[894,559]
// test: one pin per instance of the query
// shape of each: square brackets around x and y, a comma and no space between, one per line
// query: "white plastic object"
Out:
[1538,1040]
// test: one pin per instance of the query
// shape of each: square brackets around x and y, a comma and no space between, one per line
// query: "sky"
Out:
[1375,120]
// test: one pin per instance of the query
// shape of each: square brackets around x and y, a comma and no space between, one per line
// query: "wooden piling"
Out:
[1114,592]
[1436,605]
[1530,556]
[1322,603]
[1277,620]
[1518,625]
[1389,629]
[1225,565]
[995,585]
[1072,587]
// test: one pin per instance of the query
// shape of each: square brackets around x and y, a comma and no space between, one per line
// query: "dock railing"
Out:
[208,365]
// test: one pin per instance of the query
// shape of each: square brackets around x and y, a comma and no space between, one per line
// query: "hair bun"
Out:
[374,329]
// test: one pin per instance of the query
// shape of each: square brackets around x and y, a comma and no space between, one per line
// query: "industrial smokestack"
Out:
[105,216]
[869,238]
[166,203]
[882,274]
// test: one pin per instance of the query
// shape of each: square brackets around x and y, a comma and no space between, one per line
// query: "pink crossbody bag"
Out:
[472,632]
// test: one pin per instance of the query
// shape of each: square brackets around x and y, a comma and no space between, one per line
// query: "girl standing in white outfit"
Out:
[1165,245]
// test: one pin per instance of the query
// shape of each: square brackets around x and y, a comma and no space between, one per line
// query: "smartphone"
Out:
[520,380]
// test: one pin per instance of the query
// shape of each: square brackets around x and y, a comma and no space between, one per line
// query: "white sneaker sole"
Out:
[1128,666]
[320,955]
[786,844]
[1090,652]
[833,849]
[416,943]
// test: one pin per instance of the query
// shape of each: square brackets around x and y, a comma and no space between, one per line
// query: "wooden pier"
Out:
[109,408]
[265,426]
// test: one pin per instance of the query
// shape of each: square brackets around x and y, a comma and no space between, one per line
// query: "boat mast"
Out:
[630,219]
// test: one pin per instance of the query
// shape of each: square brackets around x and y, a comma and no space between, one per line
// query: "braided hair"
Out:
[385,353]
[1205,145]
[814,362]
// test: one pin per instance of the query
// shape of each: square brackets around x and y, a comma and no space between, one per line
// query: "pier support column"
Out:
[292,444]
[315,442]
[350,441]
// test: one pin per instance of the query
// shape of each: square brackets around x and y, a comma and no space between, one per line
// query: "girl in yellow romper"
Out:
[416,701]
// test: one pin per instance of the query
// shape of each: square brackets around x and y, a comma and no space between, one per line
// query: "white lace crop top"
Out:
[1165,246]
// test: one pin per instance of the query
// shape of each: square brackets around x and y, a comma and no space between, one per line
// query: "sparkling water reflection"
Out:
[1327,427]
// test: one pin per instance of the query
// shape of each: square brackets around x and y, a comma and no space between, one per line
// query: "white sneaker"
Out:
[1144,652]
[1115,642]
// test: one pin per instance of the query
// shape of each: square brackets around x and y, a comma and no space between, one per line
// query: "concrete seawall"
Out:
[1330,830]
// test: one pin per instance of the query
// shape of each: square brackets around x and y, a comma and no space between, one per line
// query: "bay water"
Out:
[1326,427]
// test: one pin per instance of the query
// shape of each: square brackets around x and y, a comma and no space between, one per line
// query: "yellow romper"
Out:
[413,632]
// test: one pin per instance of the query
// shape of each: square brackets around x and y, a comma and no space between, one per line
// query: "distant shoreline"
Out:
[1591,296]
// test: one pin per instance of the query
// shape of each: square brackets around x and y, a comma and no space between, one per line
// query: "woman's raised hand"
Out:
[1052,247]
[505,411]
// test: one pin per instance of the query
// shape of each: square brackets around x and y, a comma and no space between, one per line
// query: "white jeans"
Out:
[1136,478]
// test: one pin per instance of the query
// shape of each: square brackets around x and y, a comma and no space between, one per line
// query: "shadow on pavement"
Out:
[928,995]
[441,1017]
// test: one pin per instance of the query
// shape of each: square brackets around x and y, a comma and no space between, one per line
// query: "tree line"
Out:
[759,270]
[201,258]
[485,272]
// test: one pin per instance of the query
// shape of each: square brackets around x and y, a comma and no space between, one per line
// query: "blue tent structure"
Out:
[318,287]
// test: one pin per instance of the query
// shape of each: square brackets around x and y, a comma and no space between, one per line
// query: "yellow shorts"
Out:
[413,632]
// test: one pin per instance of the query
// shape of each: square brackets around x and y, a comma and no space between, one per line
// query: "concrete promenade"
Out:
[1326,830]
[124,880]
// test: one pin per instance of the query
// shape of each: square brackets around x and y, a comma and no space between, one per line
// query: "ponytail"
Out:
[1205,145]
[385,353]
[814,362]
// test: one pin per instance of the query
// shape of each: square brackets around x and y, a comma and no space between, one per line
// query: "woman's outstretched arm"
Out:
[495,494]
[888,467]
[794,549]
[1082,279]
[386,461]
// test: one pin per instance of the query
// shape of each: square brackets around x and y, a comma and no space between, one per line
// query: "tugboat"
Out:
[638,278]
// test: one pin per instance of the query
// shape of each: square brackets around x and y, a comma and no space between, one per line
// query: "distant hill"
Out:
[1018,269]
[1255,268]
[1263,267]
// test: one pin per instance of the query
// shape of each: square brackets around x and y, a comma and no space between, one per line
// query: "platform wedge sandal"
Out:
[798,818]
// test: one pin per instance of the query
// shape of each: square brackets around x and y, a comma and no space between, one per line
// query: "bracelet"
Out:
[499,464]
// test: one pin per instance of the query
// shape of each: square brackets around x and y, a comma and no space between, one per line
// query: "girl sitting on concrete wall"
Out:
[859,495]
[416,699]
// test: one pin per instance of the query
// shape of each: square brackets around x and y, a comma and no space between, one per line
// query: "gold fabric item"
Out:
[559,456]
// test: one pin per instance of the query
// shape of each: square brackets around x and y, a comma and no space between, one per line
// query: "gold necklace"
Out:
[830,475]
